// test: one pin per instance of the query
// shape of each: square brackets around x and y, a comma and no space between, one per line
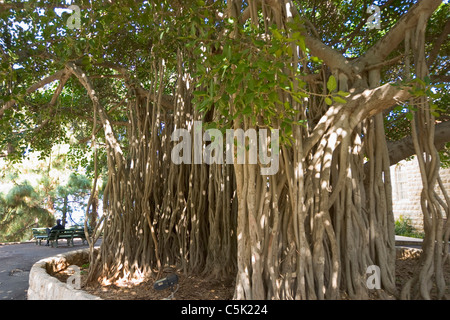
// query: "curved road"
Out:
[16,261]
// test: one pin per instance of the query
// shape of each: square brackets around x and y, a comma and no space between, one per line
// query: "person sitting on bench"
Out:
[58,226]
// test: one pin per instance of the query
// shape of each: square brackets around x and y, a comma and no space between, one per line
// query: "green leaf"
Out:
[277,34]
[227,51]
[200,93]
[249,97]
[328,101]
[247,110]
[339,99]
[302,122]
[204,105]
[316,59]
[289,51]
[297,99]
[297,35]
[231,89]
[419,81]
[331,84]
[343,93]
[85,61]
[273,96]
[409,116]
[398,108]
[435,114]
[301,44]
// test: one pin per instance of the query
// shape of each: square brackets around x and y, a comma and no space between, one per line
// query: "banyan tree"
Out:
[320,98]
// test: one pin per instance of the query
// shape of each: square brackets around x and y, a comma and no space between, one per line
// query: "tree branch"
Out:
[359,107]
[37,4]
[46,5]
[64,78]
[372,101]
[437,45]
[166,101]
[106,122]
[378,52]
[57,76]
[331,57]
[358,28]
[404,148]
[385,63]
[440,78]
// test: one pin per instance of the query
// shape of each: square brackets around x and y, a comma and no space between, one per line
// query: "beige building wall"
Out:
[406,189]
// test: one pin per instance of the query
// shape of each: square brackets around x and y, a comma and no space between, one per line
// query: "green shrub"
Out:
[403,227]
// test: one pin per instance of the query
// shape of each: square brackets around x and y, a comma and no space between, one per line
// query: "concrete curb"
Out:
[43,286]
[12,243]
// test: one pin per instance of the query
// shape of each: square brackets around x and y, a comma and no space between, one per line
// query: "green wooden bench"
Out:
[56,235]
[79,233]
[40,234]
[68,234]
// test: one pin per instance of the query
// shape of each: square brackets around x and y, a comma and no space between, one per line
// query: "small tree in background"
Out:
[39,190]
[72,194]
[20,210]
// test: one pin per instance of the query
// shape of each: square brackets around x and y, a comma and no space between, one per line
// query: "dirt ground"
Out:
[189,288]
[200,288]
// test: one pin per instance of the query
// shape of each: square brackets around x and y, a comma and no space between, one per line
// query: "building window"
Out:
[400,183]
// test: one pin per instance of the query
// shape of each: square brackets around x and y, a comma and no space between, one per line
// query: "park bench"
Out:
[40,234]
[78,232]
[68,234]
[56,235]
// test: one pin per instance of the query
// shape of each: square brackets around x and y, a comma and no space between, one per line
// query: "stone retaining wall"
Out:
[406,190]
[43,286]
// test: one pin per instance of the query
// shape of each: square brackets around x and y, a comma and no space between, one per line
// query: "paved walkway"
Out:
[16,261]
